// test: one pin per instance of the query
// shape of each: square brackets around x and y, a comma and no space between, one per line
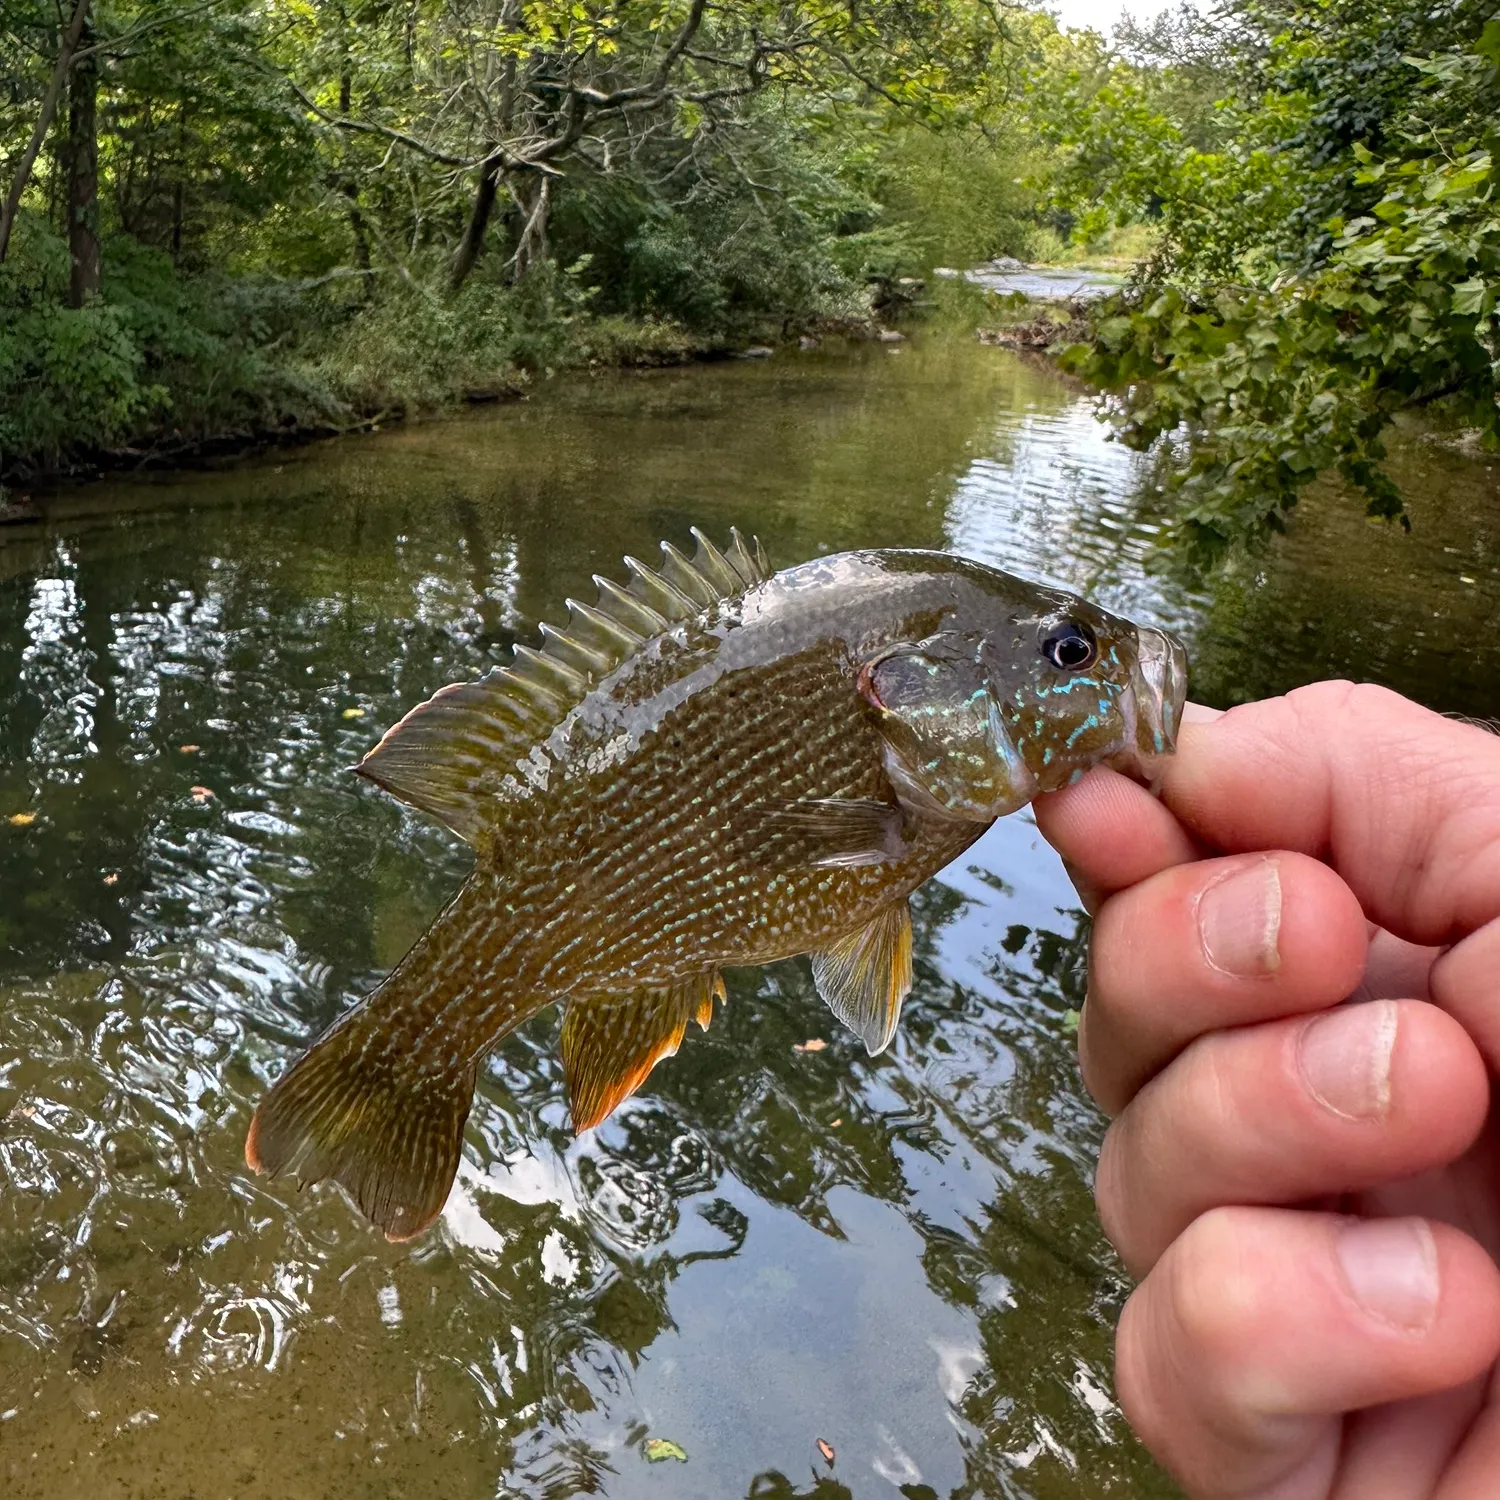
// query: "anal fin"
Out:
[609,1046]
[865,976]
[714,991]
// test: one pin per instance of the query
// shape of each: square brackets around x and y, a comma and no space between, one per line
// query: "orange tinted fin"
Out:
[715,991]
[385,1130]
[865,976]
[610,1045]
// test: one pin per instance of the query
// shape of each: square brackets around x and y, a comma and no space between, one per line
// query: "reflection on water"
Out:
[764,1248]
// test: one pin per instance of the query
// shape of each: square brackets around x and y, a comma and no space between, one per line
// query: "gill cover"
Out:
[947,750]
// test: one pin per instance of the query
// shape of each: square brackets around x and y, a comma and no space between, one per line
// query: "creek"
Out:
[769,1245]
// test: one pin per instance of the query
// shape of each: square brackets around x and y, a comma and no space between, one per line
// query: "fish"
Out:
[714,765]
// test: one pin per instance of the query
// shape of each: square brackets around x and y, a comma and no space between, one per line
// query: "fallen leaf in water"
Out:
[812,1044]
[201,794]
[112,878]
[1070,1020]
[354,713]
[188,749]
[22,1112]
[22,820]
[837,1123]
[826,1449]
[658,1449]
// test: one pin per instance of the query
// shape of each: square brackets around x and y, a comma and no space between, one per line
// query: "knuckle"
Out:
[1094,1061]
[1137,1378]
[1158,1159]
[1213,1298]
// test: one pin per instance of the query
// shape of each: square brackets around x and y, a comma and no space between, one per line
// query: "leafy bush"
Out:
[1275,385]
[1265,351]
[68,376]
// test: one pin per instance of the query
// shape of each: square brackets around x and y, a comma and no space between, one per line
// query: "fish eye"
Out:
[1069,645]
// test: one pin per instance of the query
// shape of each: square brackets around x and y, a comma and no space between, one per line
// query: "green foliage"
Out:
[960,197]
[315,210]
[1276,385]
[67,375]
[416,347]
[1263,352]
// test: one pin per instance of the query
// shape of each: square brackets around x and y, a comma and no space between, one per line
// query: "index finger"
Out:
[1403,803]
[1111,833]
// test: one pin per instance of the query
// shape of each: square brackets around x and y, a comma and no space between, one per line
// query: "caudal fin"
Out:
[384,1127]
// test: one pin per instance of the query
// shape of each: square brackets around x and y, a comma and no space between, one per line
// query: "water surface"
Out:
[768,1246]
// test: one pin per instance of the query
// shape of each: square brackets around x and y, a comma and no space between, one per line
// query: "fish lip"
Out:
[1161,691]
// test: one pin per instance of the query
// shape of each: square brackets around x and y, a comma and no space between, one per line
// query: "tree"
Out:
[1266,346]
[68,44]
[83,172]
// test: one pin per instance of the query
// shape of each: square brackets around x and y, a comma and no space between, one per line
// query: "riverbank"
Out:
[276,367]
[179,373]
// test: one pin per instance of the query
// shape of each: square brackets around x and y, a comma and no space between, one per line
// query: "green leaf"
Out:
[658,1450]
[1488,45]
[1472,297]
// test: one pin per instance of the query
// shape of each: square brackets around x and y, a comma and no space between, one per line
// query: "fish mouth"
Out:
[1160,692]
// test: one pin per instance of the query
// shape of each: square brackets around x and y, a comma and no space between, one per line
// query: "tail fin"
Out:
[386,1126]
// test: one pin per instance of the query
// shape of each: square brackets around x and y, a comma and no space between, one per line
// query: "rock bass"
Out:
[713,766]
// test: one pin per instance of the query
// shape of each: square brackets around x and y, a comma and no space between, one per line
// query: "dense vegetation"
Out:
[237,215]
[1321,179]
[231,216]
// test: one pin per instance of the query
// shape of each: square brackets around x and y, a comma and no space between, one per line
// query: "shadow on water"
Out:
[768,1246]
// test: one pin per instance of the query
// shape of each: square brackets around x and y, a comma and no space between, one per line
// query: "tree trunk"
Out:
[65,51]
[179,188]
[479,219]
[350,185]
[489,175]
[83,178]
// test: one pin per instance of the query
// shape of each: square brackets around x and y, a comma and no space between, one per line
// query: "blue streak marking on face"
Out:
[1092,722]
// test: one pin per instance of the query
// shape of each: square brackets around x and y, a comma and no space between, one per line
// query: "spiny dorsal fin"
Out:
[449,754]
[865,976]
[610,1045]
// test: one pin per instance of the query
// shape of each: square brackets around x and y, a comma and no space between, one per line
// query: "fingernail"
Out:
[1239,918]
[1198,713]
[1345,1058]
[1392,1270]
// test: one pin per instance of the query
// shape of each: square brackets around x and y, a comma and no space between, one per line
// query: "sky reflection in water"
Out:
[766,1247]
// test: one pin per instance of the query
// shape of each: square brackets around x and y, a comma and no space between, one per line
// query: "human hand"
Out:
[1308,1192]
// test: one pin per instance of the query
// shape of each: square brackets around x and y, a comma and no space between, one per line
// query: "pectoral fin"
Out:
[610,1045]
[837,832]
[864,977]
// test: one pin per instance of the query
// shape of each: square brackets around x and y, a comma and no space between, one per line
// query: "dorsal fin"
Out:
[449,754]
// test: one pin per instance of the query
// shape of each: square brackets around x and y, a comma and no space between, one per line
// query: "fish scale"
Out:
[730,790]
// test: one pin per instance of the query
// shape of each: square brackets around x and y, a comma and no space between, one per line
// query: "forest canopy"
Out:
[225,213]
[241,216]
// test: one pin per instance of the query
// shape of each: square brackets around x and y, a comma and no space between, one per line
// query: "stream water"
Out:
[768,1246]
